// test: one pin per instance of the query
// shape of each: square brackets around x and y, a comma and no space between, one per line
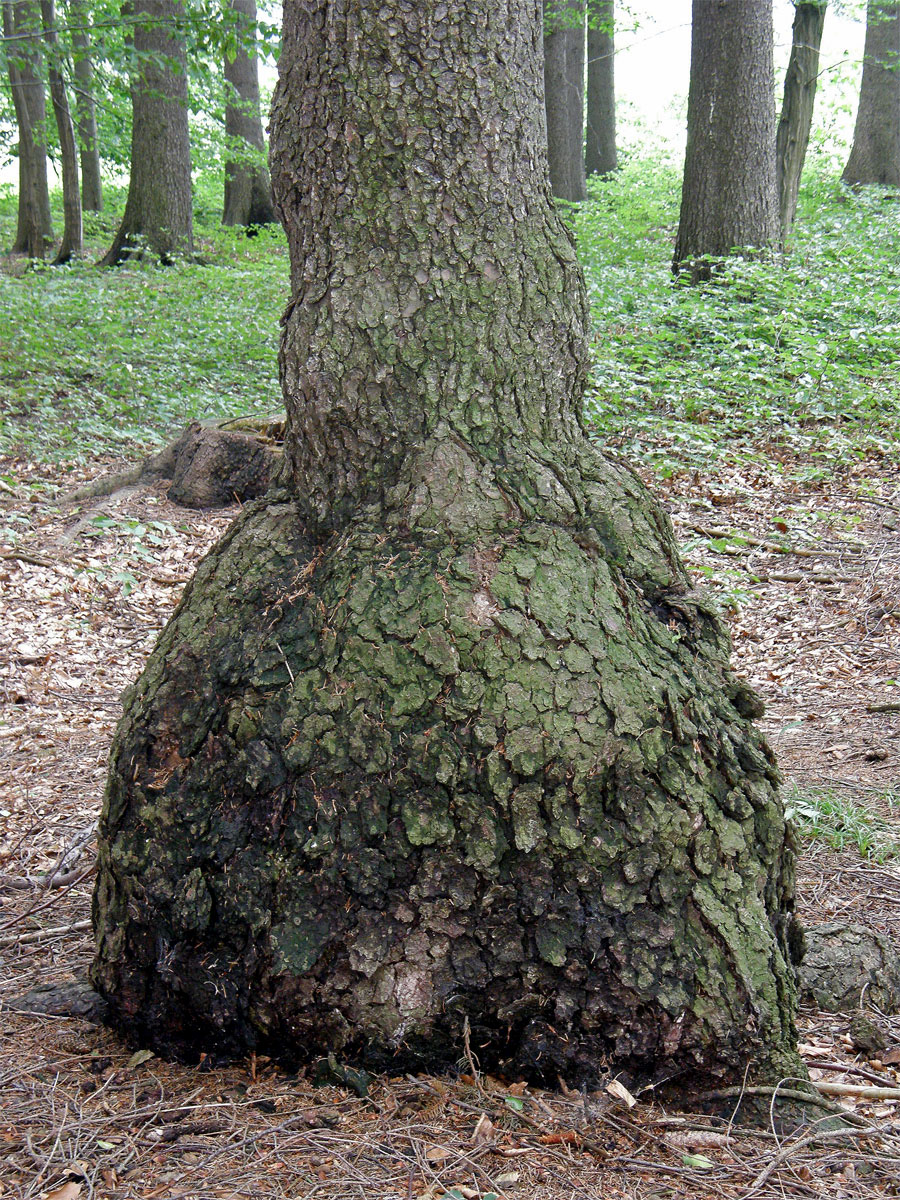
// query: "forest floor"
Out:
[809,574]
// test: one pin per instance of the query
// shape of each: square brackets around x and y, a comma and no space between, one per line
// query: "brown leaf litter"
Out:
[811,576]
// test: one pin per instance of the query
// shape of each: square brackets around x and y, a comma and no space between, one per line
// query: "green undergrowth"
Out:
[96,361]
[821,814]
[792,362]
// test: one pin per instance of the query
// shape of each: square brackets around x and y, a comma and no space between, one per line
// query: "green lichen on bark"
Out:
[439,732]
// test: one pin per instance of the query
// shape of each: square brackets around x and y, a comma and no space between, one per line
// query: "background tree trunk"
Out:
[875,154]
[792,137]
[83,68]
[728,199]
[34,230]
[600,146]
[564,97]
[158,216]
[248,192]
[72,240]
[439,732]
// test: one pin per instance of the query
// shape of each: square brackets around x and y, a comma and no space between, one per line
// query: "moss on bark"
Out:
[423,772]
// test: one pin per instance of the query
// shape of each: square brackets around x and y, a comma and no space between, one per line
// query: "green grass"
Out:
[801,354]
[822,815]
[102,361]
[793,362]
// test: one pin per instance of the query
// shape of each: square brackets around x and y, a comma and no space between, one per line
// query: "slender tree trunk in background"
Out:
[564,97]
[72,240]
[729,199]
[792,137]
[248,192]
[30,234]
[875,155]
[600,146]
[158,217]
[439,732]
[24,20]
[85,109]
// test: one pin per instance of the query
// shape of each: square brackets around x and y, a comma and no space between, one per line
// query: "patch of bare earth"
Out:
[814,583]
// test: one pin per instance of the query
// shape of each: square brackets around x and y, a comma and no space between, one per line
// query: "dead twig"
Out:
[773,547]
[42,935]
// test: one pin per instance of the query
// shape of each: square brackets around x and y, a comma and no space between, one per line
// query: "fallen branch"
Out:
[780,1092]
[883,708]
[774,547]
[40,935]
[823,1135]
[35,560]
[858,1089]
[26,883]
[823,1064]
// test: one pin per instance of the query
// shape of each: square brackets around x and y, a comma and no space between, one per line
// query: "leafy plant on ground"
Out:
[112,361]
[823,815]
[795,358]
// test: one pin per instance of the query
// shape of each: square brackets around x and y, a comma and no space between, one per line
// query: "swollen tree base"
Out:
[456,763]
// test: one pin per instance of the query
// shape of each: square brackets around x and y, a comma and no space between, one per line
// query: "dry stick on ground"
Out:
[36,908]
[773,547]
[57,877]
[42,935]
[822,1064]
[854,1089]
[50,564]
[822,1135]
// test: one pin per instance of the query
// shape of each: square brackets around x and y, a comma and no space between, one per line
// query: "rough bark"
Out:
[34,231]
[158,219]
[844,966]
[729,200]
[85,109]
[792,137]
[564,97]
[600,156]
[72,240]
[248,191]
[875,154]
[439,732]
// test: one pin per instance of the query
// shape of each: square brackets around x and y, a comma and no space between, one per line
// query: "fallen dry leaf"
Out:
[69,1191]
[483,1131]
[621,1092]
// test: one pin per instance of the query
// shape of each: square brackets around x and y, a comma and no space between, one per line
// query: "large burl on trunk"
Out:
[439,731]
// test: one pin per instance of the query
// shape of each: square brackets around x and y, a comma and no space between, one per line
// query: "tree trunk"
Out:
[157,217]
[439,732]
[728,201]
[91,183]
[875,155]
[72,240]
[564,98]
[792,138]
[34,229]
[248,192]
[600,147]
